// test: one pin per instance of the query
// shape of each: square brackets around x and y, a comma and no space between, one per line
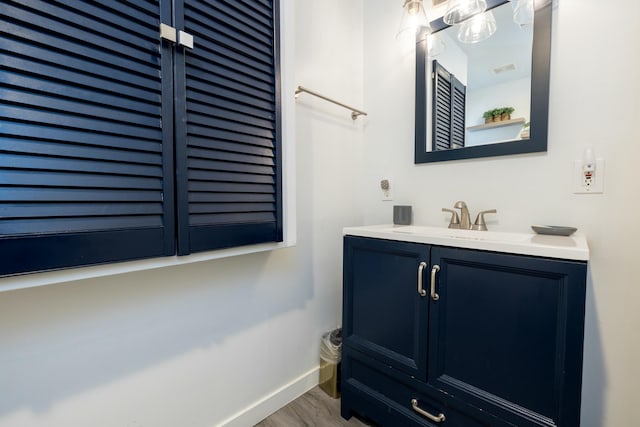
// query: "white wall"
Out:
[595,101]
[196,344]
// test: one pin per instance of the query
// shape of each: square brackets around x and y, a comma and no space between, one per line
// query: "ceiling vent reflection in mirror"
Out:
[503,69]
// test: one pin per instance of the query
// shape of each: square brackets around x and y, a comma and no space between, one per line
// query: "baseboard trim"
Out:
[270,403]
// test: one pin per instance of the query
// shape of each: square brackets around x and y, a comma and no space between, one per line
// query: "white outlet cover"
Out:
[596,187]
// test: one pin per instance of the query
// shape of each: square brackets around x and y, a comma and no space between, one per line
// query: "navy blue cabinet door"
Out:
[86,153]
[384,315]
[506,335]
[228,156]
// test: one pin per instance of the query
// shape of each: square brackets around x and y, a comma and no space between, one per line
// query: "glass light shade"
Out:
[478,28]
[414,19]
[461,10]
[435,45]
[522,12]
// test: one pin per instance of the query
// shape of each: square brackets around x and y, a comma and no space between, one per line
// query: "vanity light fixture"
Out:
[414,19]
[478,24]
[459,11]
[478,28]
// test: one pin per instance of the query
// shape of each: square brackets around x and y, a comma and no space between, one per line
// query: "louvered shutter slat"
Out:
[51,72]
[239,188]
[229,157]
[230,146]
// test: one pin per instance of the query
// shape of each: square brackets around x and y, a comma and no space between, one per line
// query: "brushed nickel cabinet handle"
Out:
[434,270]
[438,419]
[421,268]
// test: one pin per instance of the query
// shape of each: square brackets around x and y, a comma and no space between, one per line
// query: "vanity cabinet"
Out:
[437,335]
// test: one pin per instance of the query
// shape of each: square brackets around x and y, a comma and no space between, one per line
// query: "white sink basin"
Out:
[495,236]
[573,247]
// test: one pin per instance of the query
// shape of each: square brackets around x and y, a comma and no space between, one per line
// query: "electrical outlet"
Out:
[385,186]
[588,182]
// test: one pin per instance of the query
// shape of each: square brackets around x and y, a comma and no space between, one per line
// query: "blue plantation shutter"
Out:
[228,145]
[85,139]
[449,100]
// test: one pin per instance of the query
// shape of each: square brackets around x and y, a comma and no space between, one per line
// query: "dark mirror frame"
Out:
[541,60]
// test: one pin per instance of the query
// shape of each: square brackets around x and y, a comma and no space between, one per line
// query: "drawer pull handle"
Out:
[438,419]
[434,270]
[421,268]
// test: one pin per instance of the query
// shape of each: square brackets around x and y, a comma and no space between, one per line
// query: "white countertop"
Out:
[573,247]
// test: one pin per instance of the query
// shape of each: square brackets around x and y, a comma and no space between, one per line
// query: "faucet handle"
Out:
[479,224]
[455,220]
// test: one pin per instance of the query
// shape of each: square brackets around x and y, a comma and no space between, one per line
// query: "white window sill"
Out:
[33,280]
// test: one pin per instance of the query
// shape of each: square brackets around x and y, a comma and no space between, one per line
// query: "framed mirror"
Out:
[459,85]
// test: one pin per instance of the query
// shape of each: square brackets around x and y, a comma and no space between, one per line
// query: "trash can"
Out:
[330,356]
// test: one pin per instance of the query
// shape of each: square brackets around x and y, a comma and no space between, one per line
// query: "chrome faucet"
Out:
[464,222]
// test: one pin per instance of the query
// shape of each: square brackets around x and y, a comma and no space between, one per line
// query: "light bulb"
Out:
[459,11]
[413,8]
[414,20]
[522,12]
[478,28]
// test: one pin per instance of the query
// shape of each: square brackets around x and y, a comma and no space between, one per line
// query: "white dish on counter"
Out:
[554,230]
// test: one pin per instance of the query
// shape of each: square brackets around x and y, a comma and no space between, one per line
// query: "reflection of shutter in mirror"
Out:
[458,91]
[449,96]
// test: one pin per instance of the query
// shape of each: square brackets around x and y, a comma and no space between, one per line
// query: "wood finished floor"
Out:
[312,409]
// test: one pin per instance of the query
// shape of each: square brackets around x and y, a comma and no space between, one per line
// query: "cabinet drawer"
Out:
[388,401]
